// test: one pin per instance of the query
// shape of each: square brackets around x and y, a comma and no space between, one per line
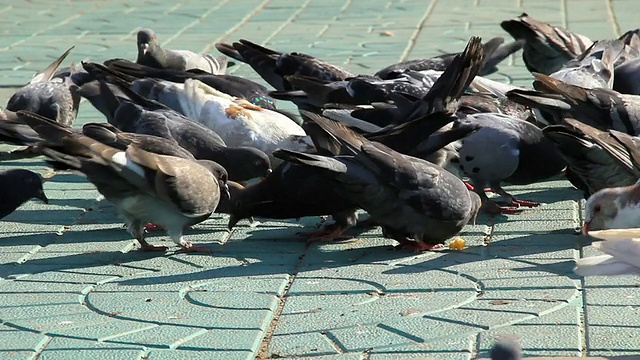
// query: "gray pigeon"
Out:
[613,208]
[547,47]
[137,114]
[19,186]
[150,53]
[525,156]
[145,188]
[417,203]
[55,99]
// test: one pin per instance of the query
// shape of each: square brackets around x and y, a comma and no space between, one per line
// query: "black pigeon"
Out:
[273,65]
[145,187]
[150,53]
[18,186]
[417,203]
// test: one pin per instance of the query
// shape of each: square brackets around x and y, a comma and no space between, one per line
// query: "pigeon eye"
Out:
[597,208]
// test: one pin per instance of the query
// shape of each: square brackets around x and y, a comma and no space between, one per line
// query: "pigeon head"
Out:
[146,41]
[613,208]
[30,184]
[247,163]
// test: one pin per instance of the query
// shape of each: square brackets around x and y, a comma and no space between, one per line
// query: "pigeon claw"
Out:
[494,208]
[526,203]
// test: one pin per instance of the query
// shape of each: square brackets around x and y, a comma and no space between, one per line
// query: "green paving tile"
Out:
[346,297]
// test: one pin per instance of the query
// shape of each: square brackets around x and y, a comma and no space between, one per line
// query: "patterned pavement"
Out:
[74,286]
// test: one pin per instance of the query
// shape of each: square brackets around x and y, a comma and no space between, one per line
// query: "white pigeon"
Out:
[622,247]
[240,123]
[613,208]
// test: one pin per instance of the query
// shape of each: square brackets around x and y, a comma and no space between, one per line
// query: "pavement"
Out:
[74,286]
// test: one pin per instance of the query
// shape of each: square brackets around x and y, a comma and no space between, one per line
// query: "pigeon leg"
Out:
[512,201]
[185,245]
[137,230]
[493,208]
[420,246]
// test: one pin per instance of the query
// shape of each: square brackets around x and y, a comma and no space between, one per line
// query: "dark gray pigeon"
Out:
[525,156]
[145,188]
[273,65]
[547,47]
[52,98]
[603,109]
[417,203]
[506,349]
[18,186]
[150,53]
[596,159]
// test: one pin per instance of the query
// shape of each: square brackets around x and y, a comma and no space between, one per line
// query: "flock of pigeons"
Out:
[417,145]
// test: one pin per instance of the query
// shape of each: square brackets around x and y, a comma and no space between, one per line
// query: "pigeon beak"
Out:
[268,172]
[41,195]
[585,228]
[145,49]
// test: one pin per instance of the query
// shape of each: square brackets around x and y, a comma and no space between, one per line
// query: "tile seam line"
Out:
[282,300]
[195,22]
[418,30]
[245,20]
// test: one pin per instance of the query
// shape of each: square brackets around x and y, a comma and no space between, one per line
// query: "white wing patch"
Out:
[123,160]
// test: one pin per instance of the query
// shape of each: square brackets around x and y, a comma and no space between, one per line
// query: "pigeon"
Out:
[51,98]
[112,136]
[238,122]
[18,186]
[547,48]
[494,52]
[612,208]
[506,349]
[443,95]
[273,65]
[525,154]
[15,132]
[152,118]
[150,53]
[417,203]
[594,68]
[293,191]
[601,108]
[596,159]
[622,249]
[145,188]
[236,86]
